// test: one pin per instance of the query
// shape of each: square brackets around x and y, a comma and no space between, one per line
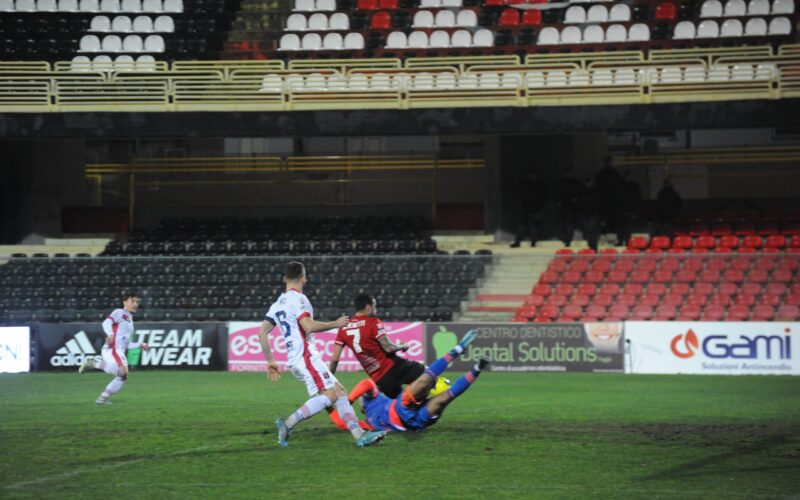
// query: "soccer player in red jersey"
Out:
[366,337]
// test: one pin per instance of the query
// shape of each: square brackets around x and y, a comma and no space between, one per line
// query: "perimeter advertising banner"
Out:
[196,346]
[532,347]
[245,355]
[746,348]
[15,349]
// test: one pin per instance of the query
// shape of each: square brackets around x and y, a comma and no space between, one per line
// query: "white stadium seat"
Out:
[783,7]
[423,19]
[468,81]
[575,15]
[755,27]
[593,34]
[467,19]
[112,43]
[548,36]
[289,41]
[354,41]
[570,35]
[131,6]
[304,5]
[670,74]
[122,24]
[339,21]
[68,5]
[780,26]
[555,78]
[731,28]
[333,41]
[6,5]
[720,73]
[735,8]
[110,6]
[684,30]
[445,81]
[489,81]
[445,19]
[173,6]
[626,76]
[418,40]
[616,33]
[601,77]
[133,43]
[89,6]
[597,14]
[711,8]
[430,3]
[758,8]
[452,3]
[483,38]
[461,38]
[620,12]
[125,59]
[295,82]
[272,83]
[154,43]
[382,81]
[46,5]
[318,22]
[326,5]
[694,74]
[396,40]
[358,82]
[164,24]
[102,63]
[766,71]
[743,72]
[100,24]
[89,43]
[146,63]
[143,24]
[316,82]
[578,78]
[81,63]
[708,29]
[534,79]
[296,22]
[639,32]
[336,83]
[312,41]
[422,81]
[152,6]
[439,39]
[25,6]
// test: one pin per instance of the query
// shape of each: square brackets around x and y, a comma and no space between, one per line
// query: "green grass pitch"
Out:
[211,435]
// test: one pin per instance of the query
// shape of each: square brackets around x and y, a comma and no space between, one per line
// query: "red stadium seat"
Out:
[493,3]
[660,277]
[665,312]
[617,277]
[640,277]
[745,228]
[713,313]
[782,276]
[721,229]
[720,300]
[653,251]
[682,242]
[548,277]
[641,313]
[648,264]
[586,251]
[367,4]
[768,229]
[595,312]
[795,241]
[738,313]
[789,263]
[733,276]
[571,277]
[778,289]
[649,300]
[703,288]
[695,264]
[697,300]
[689,312]
[705,241]
[745,299]
[611,289]
[729,241]
[757,276]
[671,265]
[770,300]
[741,264]
[764,264]
[594,277]
[580,265]
[601,265]
[750,288]
[564,251]
[602,299]
[579,300]
[587,289]
[657,289]
[788,313]
[747,250]
[753,241]
[660,242]
[509,18]
[640,242]
[682,289]
[558,265]
[674,250]
[698,230]
[564,289]
[665,11]
[572,313]
[727,288]
[388,4]
[718,263]
[535,300]
[381,21]
[543,319]
[633,289]
[605,251]
[776,241]
[627,300]
[542,289]
[627,265]
[673,299]
[631,251]
[618,311]
[556,300]
[700,250]
[550,312]
[771,250]
[793,300]
[763,313]
[686,277]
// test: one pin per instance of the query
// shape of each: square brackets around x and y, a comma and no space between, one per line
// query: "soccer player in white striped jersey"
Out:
[118,328]
[294,315]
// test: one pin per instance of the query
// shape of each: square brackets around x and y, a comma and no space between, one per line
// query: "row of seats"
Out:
[297,247]
[314,5]
[444,19]
[765,228]
[738,8]
[140,24]
[686,30]
[113,6]
[748,243]
[664,312]
[638,32]
[439,39]
[123,62]
[514,80]
[381,20]
[317,22]
[113,43]
[598,14]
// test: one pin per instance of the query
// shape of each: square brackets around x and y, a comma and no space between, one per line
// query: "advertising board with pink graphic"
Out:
[244,349]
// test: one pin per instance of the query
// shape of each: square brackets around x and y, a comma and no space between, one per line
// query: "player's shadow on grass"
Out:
[705,466]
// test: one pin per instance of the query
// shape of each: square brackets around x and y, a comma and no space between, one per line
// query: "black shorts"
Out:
[403,372]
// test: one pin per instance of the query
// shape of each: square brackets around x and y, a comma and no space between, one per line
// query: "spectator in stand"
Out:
[667,207]
[568,196]
[531,200]
[608,184]
[590,224]
[630,199]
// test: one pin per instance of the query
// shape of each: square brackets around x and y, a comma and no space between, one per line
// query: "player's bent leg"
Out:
[112,388]
[419,388]
[436,405]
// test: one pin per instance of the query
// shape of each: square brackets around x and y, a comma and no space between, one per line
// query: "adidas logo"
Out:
[75,351]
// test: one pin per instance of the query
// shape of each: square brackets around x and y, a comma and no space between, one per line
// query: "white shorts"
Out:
[315,374]
[112,360]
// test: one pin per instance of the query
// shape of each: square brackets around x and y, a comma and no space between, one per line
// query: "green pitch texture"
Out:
[211,435]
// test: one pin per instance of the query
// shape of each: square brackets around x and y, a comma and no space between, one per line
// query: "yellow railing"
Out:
[627,77]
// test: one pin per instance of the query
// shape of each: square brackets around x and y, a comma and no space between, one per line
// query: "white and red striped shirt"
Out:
[120,324]
[286,313]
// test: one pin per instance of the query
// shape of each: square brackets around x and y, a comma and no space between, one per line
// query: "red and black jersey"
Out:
[361,336]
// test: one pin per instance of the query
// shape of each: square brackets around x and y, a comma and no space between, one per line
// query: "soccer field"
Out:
[211,435]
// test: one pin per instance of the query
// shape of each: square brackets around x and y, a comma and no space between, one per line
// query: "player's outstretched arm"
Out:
[389,347]
[311,325]
[273,372]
